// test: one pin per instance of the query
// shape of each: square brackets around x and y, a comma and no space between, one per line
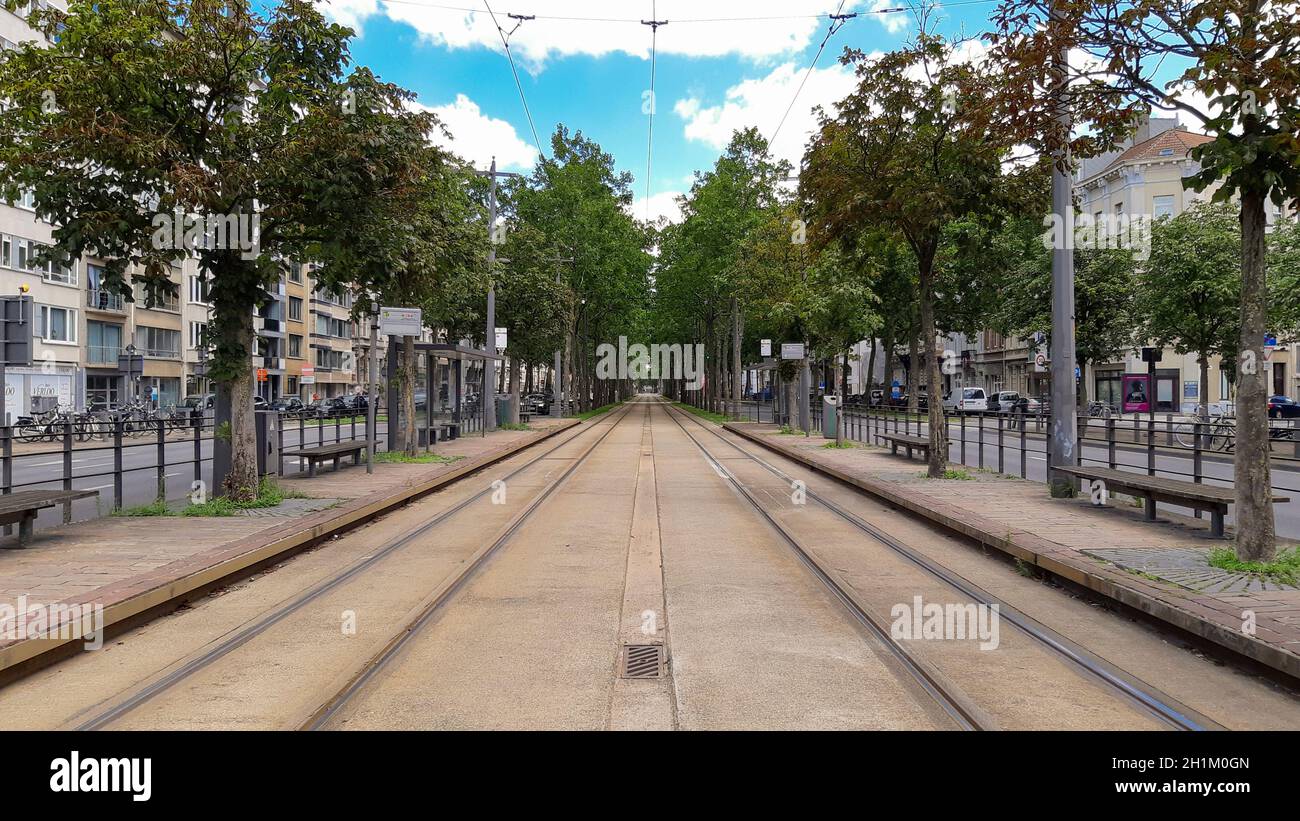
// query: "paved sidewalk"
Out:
[132,564]
[1158,568]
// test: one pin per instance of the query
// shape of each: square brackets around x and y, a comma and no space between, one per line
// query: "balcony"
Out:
[97,300]
[159,353]
[102,355]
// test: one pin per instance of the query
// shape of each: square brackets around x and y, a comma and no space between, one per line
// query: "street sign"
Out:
[130,364]
[501,339]
[792,350]
[766,347]
[308,375]
[261,374]
[401,321]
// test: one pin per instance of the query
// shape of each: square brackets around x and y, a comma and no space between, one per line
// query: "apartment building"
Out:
[330,353]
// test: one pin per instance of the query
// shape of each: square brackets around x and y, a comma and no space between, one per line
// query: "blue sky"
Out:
[711,77]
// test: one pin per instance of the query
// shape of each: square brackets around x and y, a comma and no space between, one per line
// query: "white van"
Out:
[967,400]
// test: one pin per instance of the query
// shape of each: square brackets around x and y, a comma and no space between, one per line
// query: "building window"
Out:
[198,335]
[20,255]
[103,343]
[161,301]
[295,346]
[1162,206]
[292,387]
[295,309]
[102,390]
[26,199]
[295,274]
[158,342]
[56,324]
[332,360]
[200,289]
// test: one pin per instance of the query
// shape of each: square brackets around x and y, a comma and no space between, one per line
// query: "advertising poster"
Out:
[1137,393]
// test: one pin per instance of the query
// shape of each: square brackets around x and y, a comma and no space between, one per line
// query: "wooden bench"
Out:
[921,443]
[335,452]
[23,506]
[1152,489]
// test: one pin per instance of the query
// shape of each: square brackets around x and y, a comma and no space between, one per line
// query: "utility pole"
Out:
[557,373]
[489,339]
[1064,441]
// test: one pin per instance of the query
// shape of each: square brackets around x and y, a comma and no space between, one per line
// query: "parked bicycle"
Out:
[1099,410]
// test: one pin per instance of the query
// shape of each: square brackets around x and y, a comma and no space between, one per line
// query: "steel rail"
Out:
[956,705]
[1158,705]
[321,716]
[148,692]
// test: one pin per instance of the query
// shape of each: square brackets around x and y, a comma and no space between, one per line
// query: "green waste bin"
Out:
[830,416]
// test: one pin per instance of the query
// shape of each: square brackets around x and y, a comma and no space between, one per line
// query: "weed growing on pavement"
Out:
[1285,568]
[951,473]
[514,426]
[786,430]
[1024,569]
[845,445]
[158,507]
[398,457]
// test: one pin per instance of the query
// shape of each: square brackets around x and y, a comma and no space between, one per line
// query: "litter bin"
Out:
[503,407]
[830,416]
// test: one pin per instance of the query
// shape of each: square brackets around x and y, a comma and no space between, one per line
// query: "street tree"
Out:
[911,149]
[213,113]
[1243,56]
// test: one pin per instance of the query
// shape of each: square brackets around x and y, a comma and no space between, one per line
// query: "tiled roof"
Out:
[1177,139]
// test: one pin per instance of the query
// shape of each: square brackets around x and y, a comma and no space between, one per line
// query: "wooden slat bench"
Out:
[1152,489]
[334,452]
[921,443]
[23,506]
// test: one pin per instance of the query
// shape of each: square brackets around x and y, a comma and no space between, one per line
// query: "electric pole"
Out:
[489,339]
[1064,441]
[557,373]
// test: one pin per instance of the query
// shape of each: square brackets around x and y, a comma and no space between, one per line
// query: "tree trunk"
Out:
[240,484]
[871,370]
[791,400]
[938,425]
[410,439]
[1255,537]
[913,372]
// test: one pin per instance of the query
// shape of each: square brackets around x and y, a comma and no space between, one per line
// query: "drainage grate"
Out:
[642,661]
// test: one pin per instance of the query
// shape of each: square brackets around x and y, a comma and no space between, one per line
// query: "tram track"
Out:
[136,697]
[1142,697]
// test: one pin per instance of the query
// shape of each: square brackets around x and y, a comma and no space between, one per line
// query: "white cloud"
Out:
[478,137]
[788,31]
[761,103]
[663,204]
[895,22]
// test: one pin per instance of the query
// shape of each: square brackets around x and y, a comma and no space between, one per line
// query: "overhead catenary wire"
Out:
[505,41]
[654,25]
[679,21]
[838,20]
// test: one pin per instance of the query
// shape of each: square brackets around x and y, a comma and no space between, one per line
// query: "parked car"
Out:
[288,405]
[967,400]
[1283,407]
[204,401]
[1005,402]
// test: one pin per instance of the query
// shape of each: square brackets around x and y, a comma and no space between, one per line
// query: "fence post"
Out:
[1169,429]
[962,424]
[162,460]
[67,469]
[196,420]
[1198,444]
[118,424]
[1110,443]
[980,460]
[1151,447]
[7,436]
[1000,470]
[1024,448]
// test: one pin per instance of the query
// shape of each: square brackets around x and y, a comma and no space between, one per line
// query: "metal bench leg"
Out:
[25,529]
[311,468]
[1216,521]
[337,462]
[1150,509]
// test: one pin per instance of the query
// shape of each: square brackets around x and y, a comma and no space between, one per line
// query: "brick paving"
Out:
[108,560]
[1066,536]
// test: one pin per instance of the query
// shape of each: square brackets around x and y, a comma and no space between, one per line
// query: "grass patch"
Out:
[700,412]
[951,473]
[1285,568]
[158,507]
[514,426]
[269,494]
[398,457]
[786,430]
[844,445]
[585,415]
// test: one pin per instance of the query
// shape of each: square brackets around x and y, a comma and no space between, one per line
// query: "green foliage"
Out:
[700,412]
[157,507]
[514,426]
[585,415]
[1285,568]
[400,458]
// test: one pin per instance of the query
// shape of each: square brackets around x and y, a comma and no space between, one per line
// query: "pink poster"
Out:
[1137,393]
